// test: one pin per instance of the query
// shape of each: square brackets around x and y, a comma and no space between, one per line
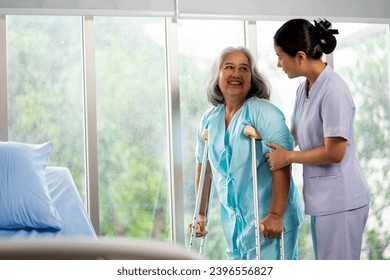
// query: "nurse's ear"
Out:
[301,57]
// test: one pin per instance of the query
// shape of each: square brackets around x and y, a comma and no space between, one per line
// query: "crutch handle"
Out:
[251,132]
[281,241]
[205,135]
[262,228]
[198,231]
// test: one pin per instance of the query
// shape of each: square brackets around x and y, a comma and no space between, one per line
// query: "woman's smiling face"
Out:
[235,75]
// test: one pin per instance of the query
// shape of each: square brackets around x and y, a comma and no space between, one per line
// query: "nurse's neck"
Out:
[314,68]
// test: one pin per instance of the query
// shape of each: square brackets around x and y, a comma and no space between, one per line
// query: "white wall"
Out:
[339,10]
[346,10]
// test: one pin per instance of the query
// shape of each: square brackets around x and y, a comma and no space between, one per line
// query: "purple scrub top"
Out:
[329,112]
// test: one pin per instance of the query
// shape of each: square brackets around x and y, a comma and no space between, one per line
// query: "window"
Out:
[131,122]
[45,92]
[362,59]
[45,88]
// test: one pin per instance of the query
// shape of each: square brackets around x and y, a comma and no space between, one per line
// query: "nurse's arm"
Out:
[332,151]
[294,134]
[273,222]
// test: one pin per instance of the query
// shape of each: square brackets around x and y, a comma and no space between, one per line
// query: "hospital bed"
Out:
[66,200]
[43,217]
[92,249]
[77,239]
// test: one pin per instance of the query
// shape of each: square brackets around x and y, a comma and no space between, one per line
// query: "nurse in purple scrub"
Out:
[335,191]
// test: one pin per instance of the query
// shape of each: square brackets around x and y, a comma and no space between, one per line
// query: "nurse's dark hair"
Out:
[259,84]
[300,35]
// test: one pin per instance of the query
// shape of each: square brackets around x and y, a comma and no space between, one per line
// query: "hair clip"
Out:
[323,26]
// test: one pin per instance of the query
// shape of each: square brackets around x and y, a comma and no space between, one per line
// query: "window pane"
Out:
[45,87]
[131,121]
[199,43]
[362,59]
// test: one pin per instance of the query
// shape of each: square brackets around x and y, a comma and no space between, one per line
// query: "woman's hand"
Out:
[200,227]
[272,226]
[278,158]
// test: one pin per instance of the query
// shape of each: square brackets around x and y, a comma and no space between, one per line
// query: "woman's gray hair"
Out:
[259,85]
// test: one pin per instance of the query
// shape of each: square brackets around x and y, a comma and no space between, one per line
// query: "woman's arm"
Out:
[273,222]
[332,151]
[201,230]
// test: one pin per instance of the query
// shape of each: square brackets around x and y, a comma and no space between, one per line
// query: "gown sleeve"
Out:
[271,125]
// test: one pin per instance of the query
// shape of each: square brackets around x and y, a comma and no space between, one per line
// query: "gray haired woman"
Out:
[239,95]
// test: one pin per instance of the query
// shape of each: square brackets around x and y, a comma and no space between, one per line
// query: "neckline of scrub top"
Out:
[317,83]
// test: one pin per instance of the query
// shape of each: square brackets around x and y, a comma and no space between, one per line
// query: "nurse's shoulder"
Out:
[337,88]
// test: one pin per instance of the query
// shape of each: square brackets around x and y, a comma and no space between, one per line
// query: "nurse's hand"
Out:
[278,158]
[272,226]
[200,227]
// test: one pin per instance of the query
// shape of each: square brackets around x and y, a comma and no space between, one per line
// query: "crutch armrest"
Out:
[251,132]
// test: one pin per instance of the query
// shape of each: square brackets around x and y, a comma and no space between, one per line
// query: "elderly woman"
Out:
[239,96]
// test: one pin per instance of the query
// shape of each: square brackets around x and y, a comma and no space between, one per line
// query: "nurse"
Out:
[335,191]
[239,96]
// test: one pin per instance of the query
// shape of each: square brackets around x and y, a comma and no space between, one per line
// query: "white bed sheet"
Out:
[63,191]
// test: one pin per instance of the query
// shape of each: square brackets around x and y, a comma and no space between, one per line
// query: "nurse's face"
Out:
[289,64]
[235,75]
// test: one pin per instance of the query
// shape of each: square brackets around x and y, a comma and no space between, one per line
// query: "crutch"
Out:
[200,193]
[252,133]
[210,201]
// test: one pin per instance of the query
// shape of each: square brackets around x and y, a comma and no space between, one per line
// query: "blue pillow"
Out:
[25,201]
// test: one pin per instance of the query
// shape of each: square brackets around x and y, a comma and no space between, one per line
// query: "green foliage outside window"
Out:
[45,92]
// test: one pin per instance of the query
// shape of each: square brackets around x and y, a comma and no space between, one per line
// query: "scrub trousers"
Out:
[339,236]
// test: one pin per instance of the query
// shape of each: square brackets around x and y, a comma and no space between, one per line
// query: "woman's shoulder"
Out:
[259,102]
[211,112]
[262,105]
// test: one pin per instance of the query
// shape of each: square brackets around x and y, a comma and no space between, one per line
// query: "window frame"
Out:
[173,116]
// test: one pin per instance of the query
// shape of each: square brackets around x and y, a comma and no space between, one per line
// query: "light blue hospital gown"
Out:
[230,160]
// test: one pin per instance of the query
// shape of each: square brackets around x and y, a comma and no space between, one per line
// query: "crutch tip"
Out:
[251,132]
